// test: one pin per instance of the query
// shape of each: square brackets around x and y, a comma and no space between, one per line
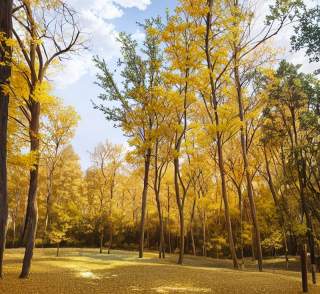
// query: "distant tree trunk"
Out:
[5,73]
[241,225]
[161,226]
[110,238]
[304,269]
[168,221]
[204,234]
[101,239]
[144,200]
[58,249]
[191,228]
[48,207]
[13,230]
[31,220]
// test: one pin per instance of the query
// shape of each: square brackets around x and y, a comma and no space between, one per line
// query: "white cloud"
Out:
[140,4]
[94,19]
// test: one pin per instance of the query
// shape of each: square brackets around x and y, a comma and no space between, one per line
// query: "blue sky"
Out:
[101,21]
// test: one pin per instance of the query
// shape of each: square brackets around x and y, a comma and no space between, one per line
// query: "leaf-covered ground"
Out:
[86,271]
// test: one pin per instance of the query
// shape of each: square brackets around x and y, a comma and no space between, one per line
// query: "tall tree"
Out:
[45,32]
[6,7]
[134,111]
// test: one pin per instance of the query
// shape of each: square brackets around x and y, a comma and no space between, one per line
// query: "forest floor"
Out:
[86,271]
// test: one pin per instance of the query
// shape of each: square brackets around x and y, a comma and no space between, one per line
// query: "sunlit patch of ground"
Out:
[86,271]
[181,289]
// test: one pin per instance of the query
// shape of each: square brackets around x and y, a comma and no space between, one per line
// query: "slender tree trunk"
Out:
[58,249]
[277,205]
[110,238]
[304,269]
[253,251]
[180,204]
[204,235]
[181,236]
[241,226]
[244,148]
[168,221]
[31,220]
[5,73]
[101,239]
[48,207]
[215,120]
[161,225]
[13,231]
[144,200]
[191,228]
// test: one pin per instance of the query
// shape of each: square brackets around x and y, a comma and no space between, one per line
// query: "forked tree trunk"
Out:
[144,200]
[5,73]
[180,204]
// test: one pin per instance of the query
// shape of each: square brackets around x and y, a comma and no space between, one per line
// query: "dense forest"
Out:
[222,156]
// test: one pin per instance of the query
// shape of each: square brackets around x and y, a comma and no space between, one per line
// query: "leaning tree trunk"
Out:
[5,73]
[32,208]
[144,200]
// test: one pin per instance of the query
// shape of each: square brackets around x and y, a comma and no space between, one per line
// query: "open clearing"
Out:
[86,271]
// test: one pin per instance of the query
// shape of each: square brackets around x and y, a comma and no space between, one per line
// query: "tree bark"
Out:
[304,270]
[144,200]
[31,220]
[5,73]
